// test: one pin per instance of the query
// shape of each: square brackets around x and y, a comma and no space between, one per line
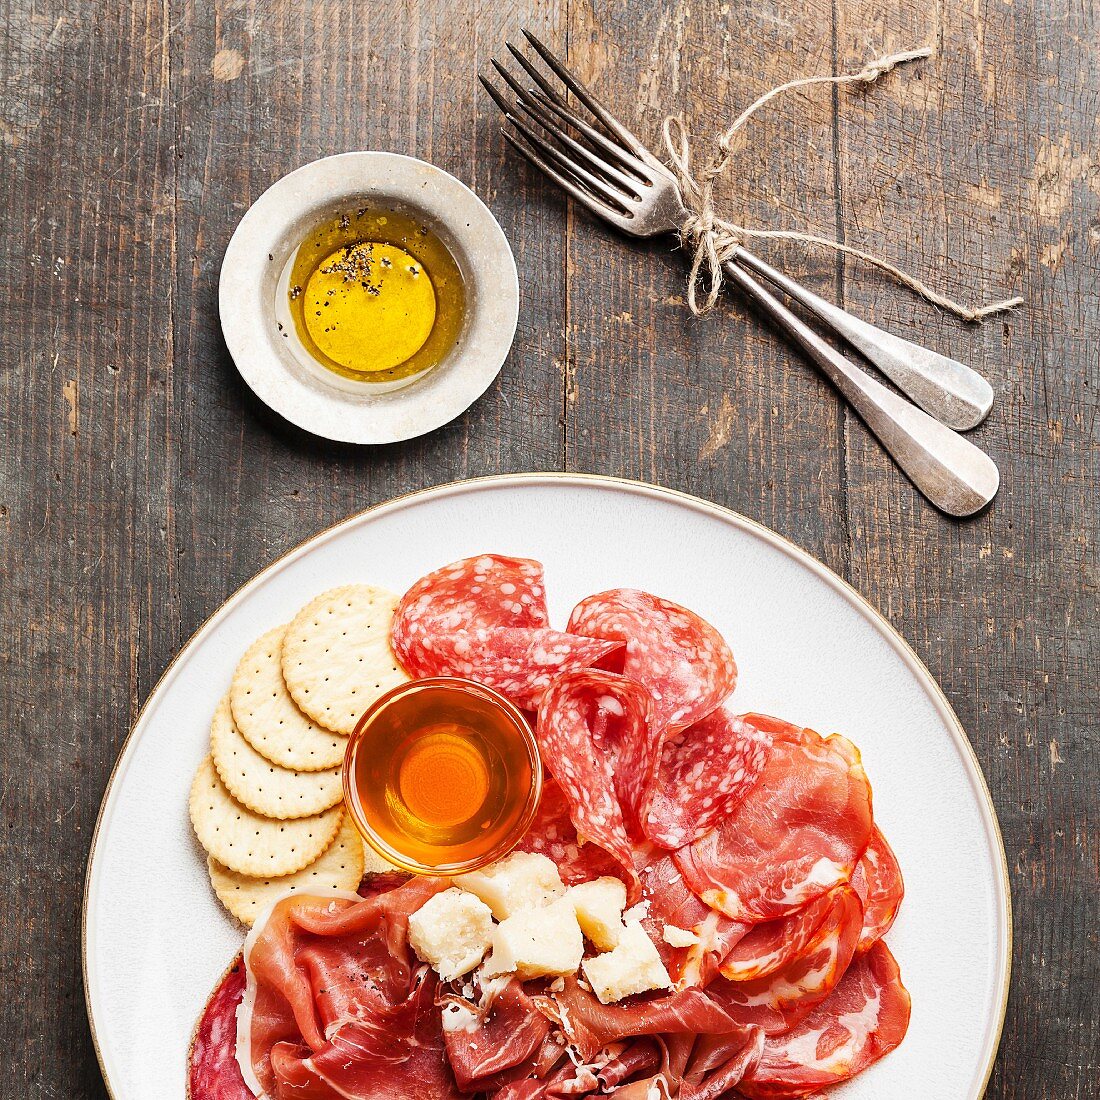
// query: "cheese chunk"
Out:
[523,880]
[451,931]
[599,906]
[633,966]
[534,943]
[679,937]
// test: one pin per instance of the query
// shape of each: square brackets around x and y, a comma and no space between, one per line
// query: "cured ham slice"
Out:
[777,1002]
[485,619]
[483,1044]
[772,945]
[703,772]
[590,1025]
[397,1054]
[798,833]
[212,1071]
[682,660]
[332,987]
[877,879]
[670,902]
[865,1018]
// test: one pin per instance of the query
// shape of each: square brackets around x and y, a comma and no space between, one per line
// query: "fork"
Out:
[610,172]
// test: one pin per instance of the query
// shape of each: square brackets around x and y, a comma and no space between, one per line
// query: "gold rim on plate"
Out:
[838,584]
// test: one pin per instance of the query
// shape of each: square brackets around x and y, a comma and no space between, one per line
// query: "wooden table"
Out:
[141,482]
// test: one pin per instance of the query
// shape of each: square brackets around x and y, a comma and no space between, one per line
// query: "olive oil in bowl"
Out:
[373,296]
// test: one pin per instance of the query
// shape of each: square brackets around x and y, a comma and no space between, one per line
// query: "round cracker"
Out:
[336,654]
[248,842]
[268,718]
[264,787]
[339,867]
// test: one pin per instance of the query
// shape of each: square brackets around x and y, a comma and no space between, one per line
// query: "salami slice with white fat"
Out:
[588,729]
[798,833]
[704,772]
[554,835]
[683,660]
[877,879]
[864,1018]
[485,619]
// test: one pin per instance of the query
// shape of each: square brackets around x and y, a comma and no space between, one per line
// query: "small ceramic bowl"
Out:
[253,287]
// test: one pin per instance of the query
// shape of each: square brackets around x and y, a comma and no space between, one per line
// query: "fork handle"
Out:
[957,477]
[949,390]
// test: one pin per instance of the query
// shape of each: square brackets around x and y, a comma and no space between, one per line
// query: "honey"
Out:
[375,296]
[442,775]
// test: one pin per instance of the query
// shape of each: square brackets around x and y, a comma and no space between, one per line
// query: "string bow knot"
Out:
[715,240]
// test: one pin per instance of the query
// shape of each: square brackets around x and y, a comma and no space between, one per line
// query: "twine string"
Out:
[716,239]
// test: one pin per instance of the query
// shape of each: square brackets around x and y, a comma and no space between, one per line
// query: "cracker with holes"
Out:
[336,654]
[249,843]
[262,786]
[338,868]
[268,718]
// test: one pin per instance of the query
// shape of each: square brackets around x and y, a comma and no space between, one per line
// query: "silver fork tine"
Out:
[548,89]
[537,106]
[584,95]
[600,209]
[628,184]
[537,141]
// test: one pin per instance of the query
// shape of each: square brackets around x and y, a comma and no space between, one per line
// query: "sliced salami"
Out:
[212,1071]
[704,772]
[485,619]
[784,997]
[474,593]
[554,835]
[585,729]
[877,879]
[682,660]
[797,835]
[865,1017]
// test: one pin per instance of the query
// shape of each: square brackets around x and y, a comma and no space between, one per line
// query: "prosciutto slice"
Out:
[682,660]
[777,1002]
[798,833]
[335,1001]
[484,1044]
[865,1018]
[877,879]
[590,1025]
[485,618]
[212,1071]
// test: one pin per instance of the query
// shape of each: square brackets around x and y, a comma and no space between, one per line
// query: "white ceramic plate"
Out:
[808,647]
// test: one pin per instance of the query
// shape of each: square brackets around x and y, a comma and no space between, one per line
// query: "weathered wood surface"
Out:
[140,483]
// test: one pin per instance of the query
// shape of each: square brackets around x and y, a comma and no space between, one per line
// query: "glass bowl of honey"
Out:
[442,776]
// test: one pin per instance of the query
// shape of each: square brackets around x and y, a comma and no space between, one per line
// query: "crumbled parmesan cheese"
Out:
[533,943]
[523,880]
[599,906]
[679,937]
[632,966]
[451,931]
